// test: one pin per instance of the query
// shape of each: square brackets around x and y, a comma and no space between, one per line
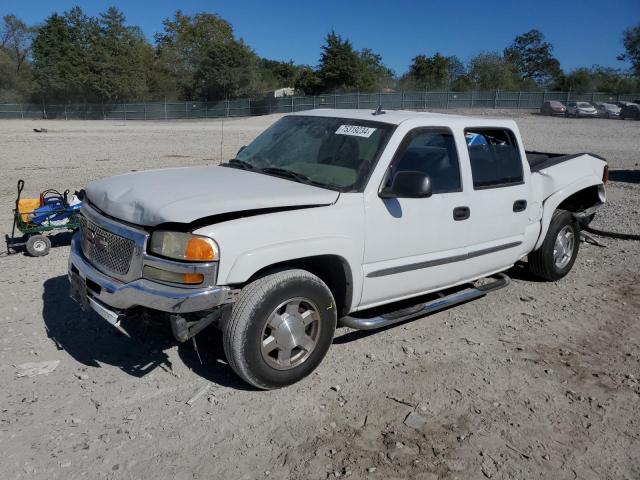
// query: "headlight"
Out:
[184,246]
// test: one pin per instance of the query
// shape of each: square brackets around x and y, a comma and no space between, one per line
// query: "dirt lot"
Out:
[538,380]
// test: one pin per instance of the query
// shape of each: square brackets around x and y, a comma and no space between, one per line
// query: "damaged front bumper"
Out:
[110,298]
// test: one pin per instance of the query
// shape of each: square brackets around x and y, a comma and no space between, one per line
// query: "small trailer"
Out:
[35,218]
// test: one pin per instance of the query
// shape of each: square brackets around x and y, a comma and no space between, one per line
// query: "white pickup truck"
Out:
[330,217]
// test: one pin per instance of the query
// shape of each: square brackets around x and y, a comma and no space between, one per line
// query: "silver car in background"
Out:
[607,110]
[581,109]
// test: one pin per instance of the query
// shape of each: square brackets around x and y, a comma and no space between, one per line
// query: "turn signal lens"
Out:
[184,246]
[153,273]
[199,249]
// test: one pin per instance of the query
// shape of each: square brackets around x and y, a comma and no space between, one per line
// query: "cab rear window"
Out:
[495,158]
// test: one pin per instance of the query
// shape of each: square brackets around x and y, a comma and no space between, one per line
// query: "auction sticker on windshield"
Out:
[355,130]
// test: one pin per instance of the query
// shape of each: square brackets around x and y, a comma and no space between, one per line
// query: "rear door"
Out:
[499,199]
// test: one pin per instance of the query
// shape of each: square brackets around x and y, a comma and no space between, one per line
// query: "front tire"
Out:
[554,259]
[280,328]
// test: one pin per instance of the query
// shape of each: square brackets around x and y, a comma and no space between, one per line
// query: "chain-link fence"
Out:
[425,100]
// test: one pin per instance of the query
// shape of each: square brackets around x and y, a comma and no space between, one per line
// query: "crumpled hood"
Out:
[186,194]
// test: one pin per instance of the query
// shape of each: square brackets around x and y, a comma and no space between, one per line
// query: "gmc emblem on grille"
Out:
[97,239]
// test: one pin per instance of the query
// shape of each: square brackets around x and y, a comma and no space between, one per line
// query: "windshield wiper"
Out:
[283,172]
[237,163]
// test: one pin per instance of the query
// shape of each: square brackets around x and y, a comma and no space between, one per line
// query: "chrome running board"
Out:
[420,310]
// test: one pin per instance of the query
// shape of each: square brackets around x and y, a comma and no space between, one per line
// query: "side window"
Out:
[495,158]
[432,152]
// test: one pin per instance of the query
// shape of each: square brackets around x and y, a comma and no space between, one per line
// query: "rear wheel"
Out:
[554,259]
[280,328]
[38,245]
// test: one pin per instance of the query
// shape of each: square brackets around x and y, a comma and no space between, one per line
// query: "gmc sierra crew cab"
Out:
[330,217]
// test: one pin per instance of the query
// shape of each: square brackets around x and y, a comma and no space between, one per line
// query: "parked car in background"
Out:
[623,103]
[607,110]
[581,109]
[553,107]
[630,111]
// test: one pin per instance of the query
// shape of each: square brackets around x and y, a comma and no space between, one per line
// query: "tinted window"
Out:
[494,156]
[432,152]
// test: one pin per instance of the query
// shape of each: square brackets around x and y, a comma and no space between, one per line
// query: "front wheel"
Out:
[280,328]
[554,259]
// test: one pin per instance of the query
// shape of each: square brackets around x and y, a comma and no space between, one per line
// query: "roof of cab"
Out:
[396,117]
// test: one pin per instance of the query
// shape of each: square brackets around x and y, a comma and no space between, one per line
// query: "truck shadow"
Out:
[92,341]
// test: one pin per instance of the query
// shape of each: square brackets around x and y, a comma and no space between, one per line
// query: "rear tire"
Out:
[38,245]
[280,328]
[555,258]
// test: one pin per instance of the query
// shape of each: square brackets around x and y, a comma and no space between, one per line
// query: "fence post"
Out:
[448,99]
[186,112]
[544,96]
[402,101]
[568,95]
[65,112]
[358,100]
[380,98]
[335,100]
[314,102]
[593,95]
[495,100]
[226,107]
[519,97]
[165,108]
[145,111]
[22,111]
[472,95]
[124,107]
[426,93]
[292,103]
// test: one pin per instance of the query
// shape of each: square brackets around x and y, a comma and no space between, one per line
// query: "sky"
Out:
[583,32]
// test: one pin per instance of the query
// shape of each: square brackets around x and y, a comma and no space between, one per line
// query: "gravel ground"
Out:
[538,380]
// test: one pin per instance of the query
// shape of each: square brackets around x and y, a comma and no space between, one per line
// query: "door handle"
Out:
[519,206]
[461,213]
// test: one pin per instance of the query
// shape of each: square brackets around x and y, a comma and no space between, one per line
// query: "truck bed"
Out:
[540,160]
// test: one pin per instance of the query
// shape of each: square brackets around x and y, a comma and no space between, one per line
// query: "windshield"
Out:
[584,105]
[336,153]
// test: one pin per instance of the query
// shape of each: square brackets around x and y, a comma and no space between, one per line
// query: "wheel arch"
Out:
[586,193]
[333,270]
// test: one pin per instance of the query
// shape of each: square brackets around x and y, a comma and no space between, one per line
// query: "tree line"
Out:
[76,58]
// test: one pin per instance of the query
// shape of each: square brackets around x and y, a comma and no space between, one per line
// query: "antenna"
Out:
[379,111]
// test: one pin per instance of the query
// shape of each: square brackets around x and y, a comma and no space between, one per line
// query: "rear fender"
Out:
[551,204]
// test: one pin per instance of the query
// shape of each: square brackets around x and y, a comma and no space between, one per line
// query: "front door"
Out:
[412,243]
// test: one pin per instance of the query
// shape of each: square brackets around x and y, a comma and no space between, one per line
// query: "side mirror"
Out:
[408,185]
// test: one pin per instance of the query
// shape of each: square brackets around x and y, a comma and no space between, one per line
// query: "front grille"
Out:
[105,249]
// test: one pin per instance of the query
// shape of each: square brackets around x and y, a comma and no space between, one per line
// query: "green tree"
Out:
[64,57]
[185,44]
[339,64]
[229,70]
[275,74]
[631,42]
[16,78]
[428,72]
[372,75]
[308,81]
[491,71]
[533,58]
[124,59]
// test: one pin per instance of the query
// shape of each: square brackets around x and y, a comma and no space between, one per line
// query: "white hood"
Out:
[184,195]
